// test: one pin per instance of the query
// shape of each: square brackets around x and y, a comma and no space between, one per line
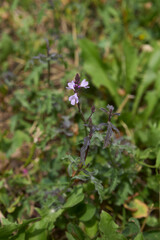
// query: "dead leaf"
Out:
[142,209]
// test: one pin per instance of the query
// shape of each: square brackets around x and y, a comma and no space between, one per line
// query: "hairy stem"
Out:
[82,117]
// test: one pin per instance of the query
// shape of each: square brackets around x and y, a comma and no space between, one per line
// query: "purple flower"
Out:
[74,99]
[71,85]
[75,86]
[84,84]
[25,171]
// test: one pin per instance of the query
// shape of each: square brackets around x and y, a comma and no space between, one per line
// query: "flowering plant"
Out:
[75,86]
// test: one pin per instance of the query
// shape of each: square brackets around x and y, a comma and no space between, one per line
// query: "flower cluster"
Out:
[75,86]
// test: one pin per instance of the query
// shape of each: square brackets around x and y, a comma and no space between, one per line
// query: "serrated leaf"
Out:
[123,192]
[108,228]
[84,149]
[81,177]
[98,187]
[108,136]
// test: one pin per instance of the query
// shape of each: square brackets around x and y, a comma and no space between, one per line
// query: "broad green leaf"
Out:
[91,228]
[152,221]
[139,237]
[88,214]
[108,228]
[75,197]
[94,67]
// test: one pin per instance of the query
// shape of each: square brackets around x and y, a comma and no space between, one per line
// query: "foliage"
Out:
[83,171]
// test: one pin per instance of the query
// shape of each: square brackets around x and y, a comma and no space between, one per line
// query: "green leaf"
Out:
[8,227]
[18,139]
[75,197]
[154,60]
[148,78]
[69,236]
[123,192]
[151,99]
[4,198]
[158,159]
[98,186]
[139,237]
[108,228]
[88,214]
[94,67]
[34,77]
[40,229]
[91,228]
[131,62]
[12,207]
[152,221]
[155,235]
[75,231]
[20,236]
[132,227]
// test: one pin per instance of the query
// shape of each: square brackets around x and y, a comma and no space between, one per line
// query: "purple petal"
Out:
[71,85]
[84,84]
[74,99]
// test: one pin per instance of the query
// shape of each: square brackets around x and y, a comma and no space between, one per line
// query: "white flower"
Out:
[84,84]
[74,99]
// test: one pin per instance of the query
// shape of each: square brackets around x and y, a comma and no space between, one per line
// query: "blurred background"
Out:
[115,46]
